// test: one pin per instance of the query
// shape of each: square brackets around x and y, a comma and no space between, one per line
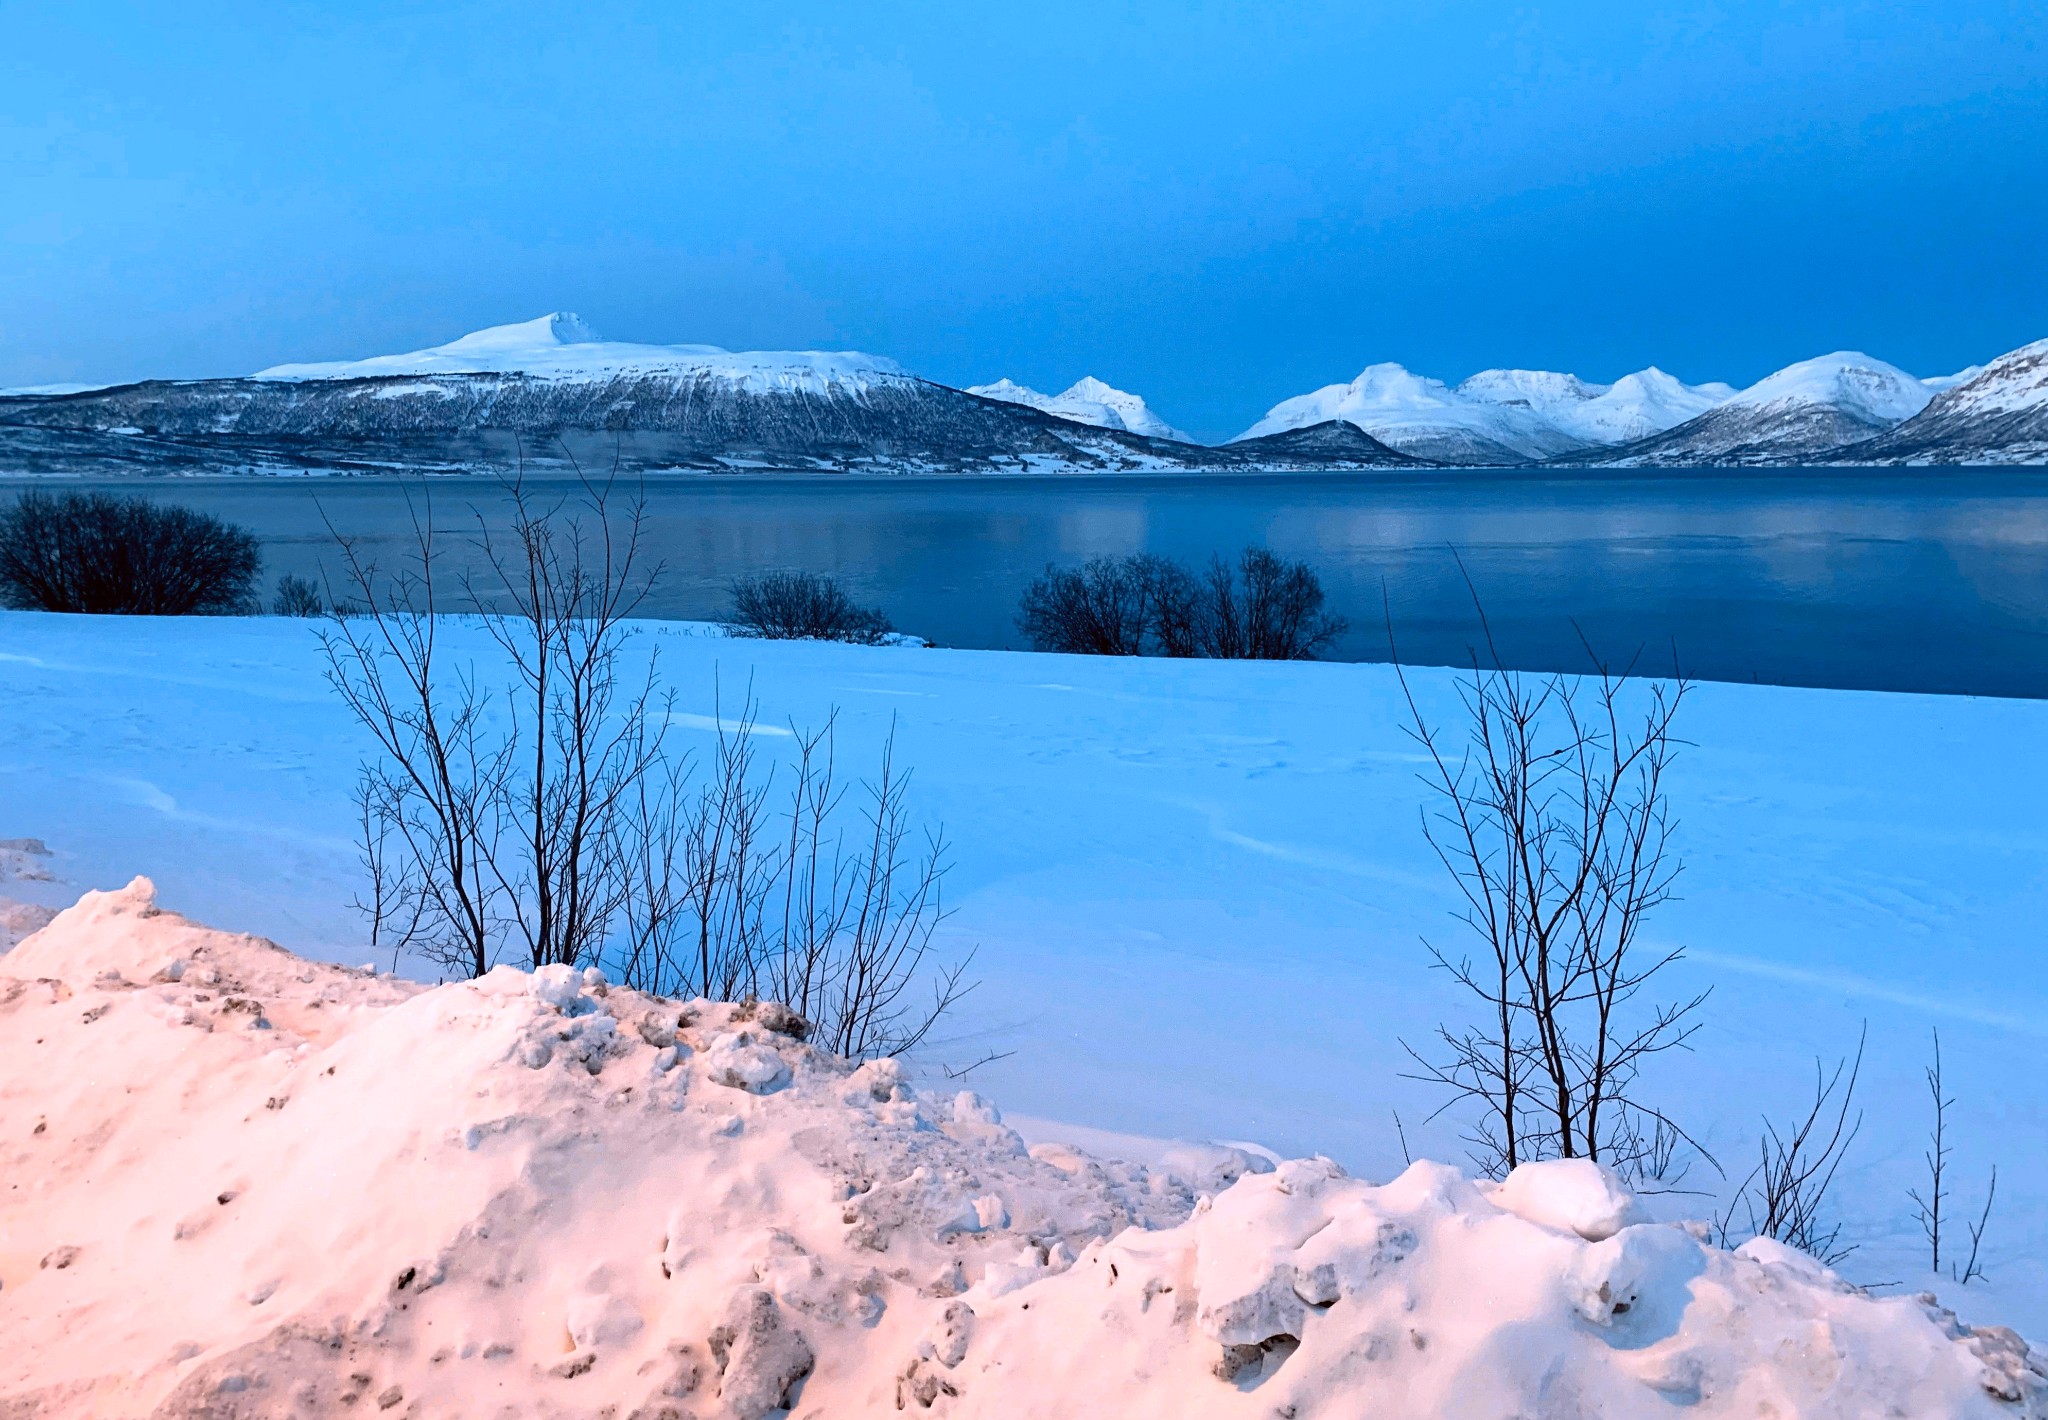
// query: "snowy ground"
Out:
[1197,888]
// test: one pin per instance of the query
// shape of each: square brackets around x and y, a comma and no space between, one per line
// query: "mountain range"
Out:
[548,390]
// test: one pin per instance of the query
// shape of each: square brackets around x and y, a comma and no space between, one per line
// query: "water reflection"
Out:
[1921,580]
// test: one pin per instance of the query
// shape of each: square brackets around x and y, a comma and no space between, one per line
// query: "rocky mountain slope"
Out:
[243,1185]
[1798,415]
[548,388]
[1998,415]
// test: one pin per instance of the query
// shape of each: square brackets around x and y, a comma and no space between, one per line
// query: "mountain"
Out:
[1496,416]
[1998,415]
[1633,407]
[1088,401]
[535,393]
[1802,413]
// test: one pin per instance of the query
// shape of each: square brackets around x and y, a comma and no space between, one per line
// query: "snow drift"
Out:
[244,1184]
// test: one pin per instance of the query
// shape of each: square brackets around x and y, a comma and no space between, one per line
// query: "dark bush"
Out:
[92,552]
[788,606]
[1264,610]
[1260,609]
[297,596]
[1102,609]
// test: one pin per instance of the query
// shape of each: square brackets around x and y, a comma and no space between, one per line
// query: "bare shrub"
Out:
[1551,817]
[827,909]
[803,606]
[549,820]
[1259,608]
[1263,609]
[297,596]
[1103,608]
[1928,1208]
[92,552]
[1785,1196]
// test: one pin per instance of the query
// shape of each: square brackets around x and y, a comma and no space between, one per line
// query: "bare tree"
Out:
[1971,1267]
[549,818]
[1927,1210]
[1552,819]
[1785,1196]
[581,739]
[1263,609]
[433,791]
[1102,609]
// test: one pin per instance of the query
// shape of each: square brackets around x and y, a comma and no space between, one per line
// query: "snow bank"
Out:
[244,1184]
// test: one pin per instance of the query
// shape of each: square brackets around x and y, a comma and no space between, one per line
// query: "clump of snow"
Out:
[1088,401]
[562,346]
[245,1184]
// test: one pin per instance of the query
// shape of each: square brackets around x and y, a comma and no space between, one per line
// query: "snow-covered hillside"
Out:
[1633,407]
[243,1184]
[521,395]
[1421,417]
[562,346]
[1088,401]
[1801,412]
[1996,414]
[1496,416]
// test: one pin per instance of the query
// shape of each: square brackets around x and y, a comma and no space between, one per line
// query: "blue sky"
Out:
[1216,205]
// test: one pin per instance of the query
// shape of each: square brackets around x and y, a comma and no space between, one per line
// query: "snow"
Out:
[2015,381]
[563,347]
[1633,407]
[1196,890]
[1938,383]
[30,391]
[1533,413]
[1088,401]
[260,1185]
[1848,380]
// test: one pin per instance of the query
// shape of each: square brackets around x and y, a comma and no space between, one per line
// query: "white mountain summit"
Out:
[1088,401]
[563,347]
[1497,416]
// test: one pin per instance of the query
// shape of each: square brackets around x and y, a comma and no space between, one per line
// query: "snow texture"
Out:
[245,1184]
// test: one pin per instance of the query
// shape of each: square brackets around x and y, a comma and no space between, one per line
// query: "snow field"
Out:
[247,1184]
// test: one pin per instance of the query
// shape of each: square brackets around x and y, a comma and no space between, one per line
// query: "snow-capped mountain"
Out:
[1421,417]
[1496,416]
[1997,415]
[1088,401]
[1633,407]
[1803,412]
[525,392]
[563,348]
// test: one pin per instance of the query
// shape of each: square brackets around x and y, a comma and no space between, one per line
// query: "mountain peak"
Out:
[557,328]
[1087,401]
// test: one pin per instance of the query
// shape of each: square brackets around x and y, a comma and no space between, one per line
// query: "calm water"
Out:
[1905,581]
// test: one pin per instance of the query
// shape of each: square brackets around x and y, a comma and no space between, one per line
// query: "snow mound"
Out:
[1088,401]
[562,346]
[242,1184]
